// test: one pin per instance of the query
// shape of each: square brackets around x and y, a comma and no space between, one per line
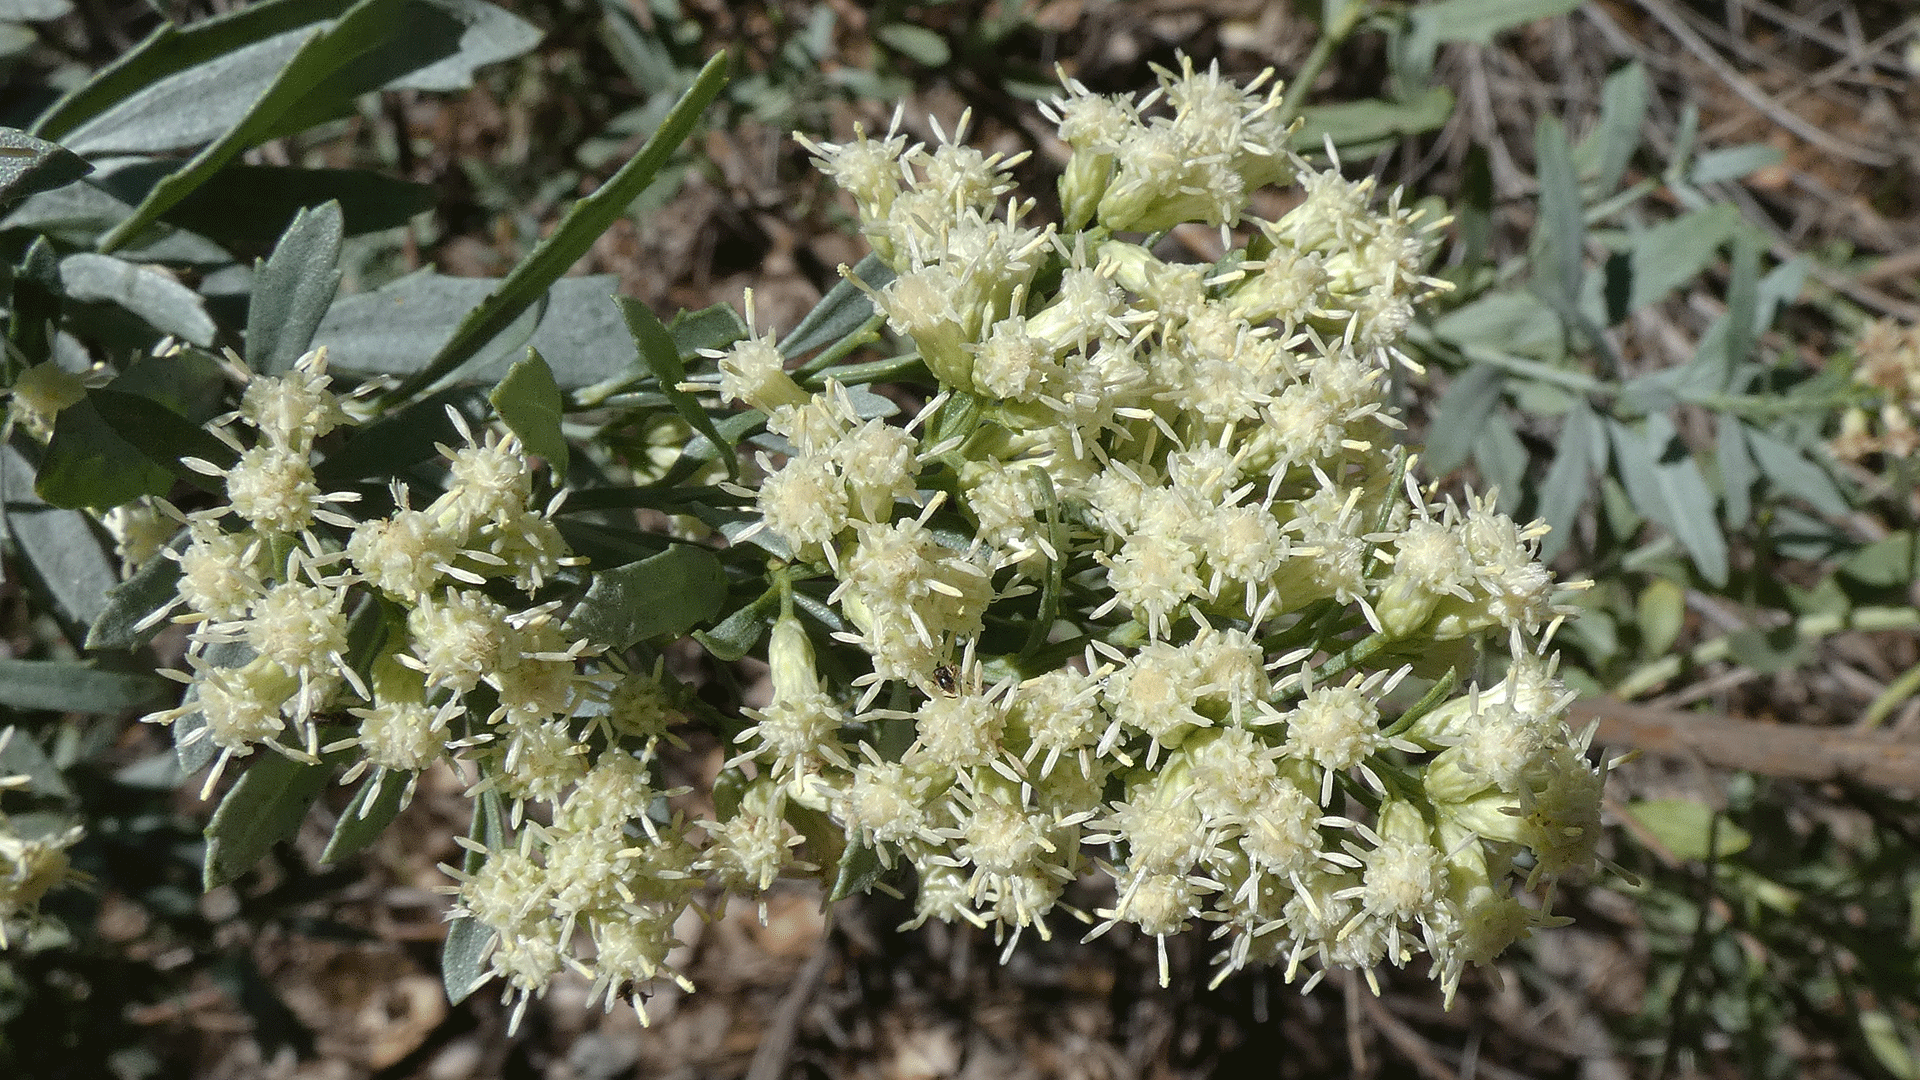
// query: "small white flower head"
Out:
[640,707]
[529,547]
[272,487]
[1231,768]
[1281,836]
[457,639]
[1001,835]
[294,409]
[1336,728]
[746,852]
[878,462]
[1061,716]
[402,736]
[405,555]
[221,573]
[753,370]
[630,949]
[1012,364]
[140,532]
[242,705]
[886,803]
[491,479]
[39,395]
[957,732]
[870,170]
[1156,693]
[1162,825]
[804,503]
[30,868]
[1156,572]
[540,761]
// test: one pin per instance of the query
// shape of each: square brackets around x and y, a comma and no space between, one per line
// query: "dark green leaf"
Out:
[662,356]
[859,868]
[1794,474]
[77,214]
[464,956]
[1886,564]
[845,309]
[664,594]
[264,808]
[1768,651]
[113,448]
[151,588]
[528,401]
[1661,611]
[1674,252]
[403,438]
[1734,162]
[63,547]
[373,808]
[293,288]
[1500,457]
[147,291]
[76,686]
[1511,322]
[1462,412]
[488,35]
[576,232]
[247,207]
[737,634]
[34,10]
[1689,829]
[191,107]
[29,165]
[397,328]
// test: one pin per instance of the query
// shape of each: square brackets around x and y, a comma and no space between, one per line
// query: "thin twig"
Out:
[1788,751]
[1755,96]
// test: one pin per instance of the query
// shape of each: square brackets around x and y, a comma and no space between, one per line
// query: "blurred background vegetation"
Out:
[1672,223]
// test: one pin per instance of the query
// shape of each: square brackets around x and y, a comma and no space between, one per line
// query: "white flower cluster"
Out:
[396,639]
[1887,366]
[1158,519]
[30,865]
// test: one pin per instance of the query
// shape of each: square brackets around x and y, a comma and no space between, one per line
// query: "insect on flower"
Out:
[946,680]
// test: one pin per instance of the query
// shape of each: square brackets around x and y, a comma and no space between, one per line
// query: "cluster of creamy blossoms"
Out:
[1188,475]
[30,866]
[397,641]
[1887,364]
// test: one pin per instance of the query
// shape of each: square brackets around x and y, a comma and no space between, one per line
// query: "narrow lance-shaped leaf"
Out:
[1559,234]
[1462,412]
[582,225]
[361,28]
[293,288]
[264,808]
[1738,473]
[1565,489]
[28,165]
[1794,474]
[662,356]
[845,309]
[75,686]
[63,547]
[1665,485]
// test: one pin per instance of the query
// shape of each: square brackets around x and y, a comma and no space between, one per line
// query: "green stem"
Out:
[871,372]
[866,333]
[1356,654]
[1805,628]
[1332,36]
